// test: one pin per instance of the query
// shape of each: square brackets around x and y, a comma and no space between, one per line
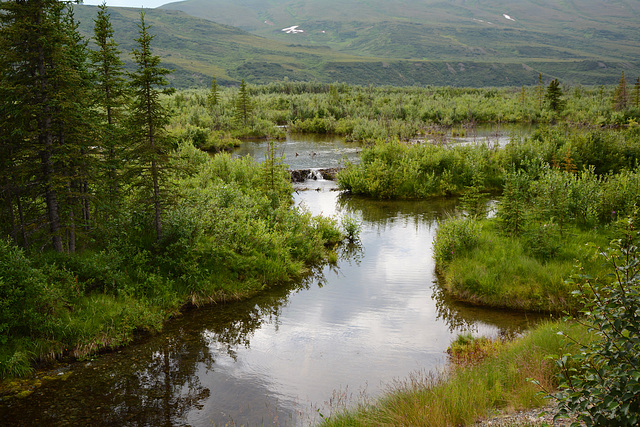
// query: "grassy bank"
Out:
[478,263]
[469,391]
[229,233]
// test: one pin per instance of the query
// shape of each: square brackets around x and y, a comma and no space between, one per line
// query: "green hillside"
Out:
[460,42]
[198,49]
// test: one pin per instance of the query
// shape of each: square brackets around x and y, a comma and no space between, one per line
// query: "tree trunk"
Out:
[51,195]
[156,199]
[23,229]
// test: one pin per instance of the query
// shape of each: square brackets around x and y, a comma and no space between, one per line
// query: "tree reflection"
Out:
[381,212]
[461,317]
[156,382]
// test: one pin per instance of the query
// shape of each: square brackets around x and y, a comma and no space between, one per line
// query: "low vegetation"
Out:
[231,236]
[381,114]
[473,389]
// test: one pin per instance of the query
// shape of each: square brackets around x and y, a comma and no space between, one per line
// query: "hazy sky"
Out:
[130,3]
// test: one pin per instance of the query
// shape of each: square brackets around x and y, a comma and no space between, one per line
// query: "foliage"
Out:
[351,227]
[213,97]
[601,382]
[371,114]
[111,94]
[620,96]
[46,122]
[389,170]
[455,237]
[554,96]
[243,106]
[147,123]
[513,204]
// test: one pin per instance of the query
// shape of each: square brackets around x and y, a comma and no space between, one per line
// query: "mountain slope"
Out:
[199,49]
[438,30]
[454,43]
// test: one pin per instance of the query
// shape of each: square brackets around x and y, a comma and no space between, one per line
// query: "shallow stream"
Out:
[292,354]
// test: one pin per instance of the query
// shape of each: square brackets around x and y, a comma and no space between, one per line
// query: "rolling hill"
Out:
[398,42]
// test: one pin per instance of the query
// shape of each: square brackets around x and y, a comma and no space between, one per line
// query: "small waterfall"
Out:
[316,175]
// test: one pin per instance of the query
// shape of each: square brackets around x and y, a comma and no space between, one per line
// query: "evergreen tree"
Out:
[148,120]
[214,96]
[636,93]
[110,97]
[554,96]
[620,96]
[76,126]
[43,104]
[243,105]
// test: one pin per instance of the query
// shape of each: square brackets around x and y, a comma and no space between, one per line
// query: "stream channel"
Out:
[294,353]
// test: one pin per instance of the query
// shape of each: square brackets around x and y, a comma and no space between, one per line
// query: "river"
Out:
[295,353]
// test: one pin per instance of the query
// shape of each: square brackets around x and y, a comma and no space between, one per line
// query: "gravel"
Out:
[534,417]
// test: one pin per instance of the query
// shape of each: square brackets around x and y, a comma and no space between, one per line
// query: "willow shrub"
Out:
[398,170]
[600,384]
[233,232]
[455,237]
[32,298]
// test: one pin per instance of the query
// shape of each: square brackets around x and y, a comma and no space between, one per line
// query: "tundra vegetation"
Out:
[113,218]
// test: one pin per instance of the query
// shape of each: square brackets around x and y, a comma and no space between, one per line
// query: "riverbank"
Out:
[479,264]
[501,379]
[232,234]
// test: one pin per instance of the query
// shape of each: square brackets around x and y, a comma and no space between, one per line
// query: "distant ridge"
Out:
[397,42]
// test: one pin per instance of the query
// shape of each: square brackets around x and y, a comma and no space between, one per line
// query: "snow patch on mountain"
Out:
[292,30]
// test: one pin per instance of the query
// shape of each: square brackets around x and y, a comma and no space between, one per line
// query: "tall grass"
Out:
[461,395]
[501,271]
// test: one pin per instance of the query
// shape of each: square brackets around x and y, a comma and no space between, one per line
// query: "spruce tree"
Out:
[111,96]
[243,105]
[42,100]
[213,96]
[76,134]
[636,93]
[147,122]
[554,96]
[540,91]
[620,96]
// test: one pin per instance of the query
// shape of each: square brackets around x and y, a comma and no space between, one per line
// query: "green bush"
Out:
[601,382]
[454,237]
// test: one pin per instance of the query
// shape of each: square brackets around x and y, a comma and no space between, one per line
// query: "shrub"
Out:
[351,227]
[601,382]
[455,235]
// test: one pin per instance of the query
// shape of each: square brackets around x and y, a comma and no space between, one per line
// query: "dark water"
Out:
[293,353]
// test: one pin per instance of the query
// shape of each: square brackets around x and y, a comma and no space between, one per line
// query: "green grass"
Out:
[499,271]
[466,393]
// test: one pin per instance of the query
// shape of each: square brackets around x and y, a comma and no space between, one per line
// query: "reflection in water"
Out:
[161,380]
[459,316]
[280,357]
